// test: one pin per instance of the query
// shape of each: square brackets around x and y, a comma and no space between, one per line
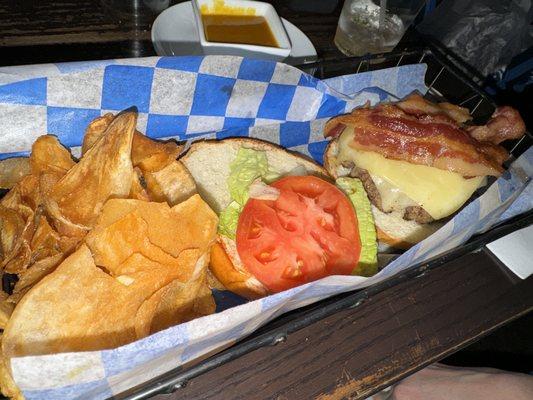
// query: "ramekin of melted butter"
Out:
[226,23]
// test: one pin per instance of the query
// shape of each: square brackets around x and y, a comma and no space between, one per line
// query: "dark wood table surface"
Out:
[70,30]
[384,335]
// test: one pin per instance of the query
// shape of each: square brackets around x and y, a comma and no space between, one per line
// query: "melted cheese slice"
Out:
[439,192]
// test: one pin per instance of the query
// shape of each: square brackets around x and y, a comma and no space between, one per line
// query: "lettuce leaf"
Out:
[248,166]
[368,260]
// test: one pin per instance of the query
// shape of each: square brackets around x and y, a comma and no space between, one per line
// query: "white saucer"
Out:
[174,33]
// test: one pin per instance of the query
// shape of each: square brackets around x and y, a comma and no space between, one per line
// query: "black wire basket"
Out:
[447,81]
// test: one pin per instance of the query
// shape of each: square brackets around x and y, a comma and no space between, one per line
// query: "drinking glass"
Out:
[135,12]
[374,26]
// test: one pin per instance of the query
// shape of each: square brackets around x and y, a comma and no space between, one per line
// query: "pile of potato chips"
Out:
[102,251]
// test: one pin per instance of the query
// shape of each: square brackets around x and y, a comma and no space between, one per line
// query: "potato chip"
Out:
[6,309]
[15,297]
[95,130]
[159,177]
[137,264]
[176,302]
[20,260]
[164,232]
[181,302]
[148,154]
[19,256]
[8,386]
[143,265]
[113,244]
[151,155]
[172,184]
[12,170]
[11,228]
[50,156]
[34,274]
[151,276]
[77,307]
[36,240]
[45,240]
[47,250]
[105,171]
[49,162]
[26,193]
[13,201]
[138,189]
[110,301]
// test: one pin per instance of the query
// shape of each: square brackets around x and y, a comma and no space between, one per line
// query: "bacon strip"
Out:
[504,124]
[416,105]
[423,139]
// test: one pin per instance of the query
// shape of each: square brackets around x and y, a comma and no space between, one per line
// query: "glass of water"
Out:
[374,26]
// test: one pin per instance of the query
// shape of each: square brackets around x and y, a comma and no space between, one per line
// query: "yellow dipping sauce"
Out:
[227,24]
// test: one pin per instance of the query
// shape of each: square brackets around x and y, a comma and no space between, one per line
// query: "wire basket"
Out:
[446,82]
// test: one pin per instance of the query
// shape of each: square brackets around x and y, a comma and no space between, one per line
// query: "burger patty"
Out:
[418,214]
[411,213]
[371,190]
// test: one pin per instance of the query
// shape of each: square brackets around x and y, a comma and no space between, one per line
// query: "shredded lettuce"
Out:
[368,260]
[229,217]
[247,167]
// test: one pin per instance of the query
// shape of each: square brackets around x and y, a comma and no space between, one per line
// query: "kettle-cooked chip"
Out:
[143,265]
[12,170]
[177,302]
[152,155]
[18,257]
[95,130]
[8,386]
[75,308]
[42,254]
[32,275]
[138,189]
[138,264]
[105,171]
[48,162]
[25,193]
[148,154]
[166,231]
[36,240]
[49,156]
[113,245]
[173,183]
[152,274]
[45,240]
[11,228]
[157,174]
[6,309]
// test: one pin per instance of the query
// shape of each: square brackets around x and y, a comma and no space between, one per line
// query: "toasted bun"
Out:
[208,162]
[237,280]
[392,230]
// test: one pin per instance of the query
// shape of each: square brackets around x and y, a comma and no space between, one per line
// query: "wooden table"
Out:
[388,336]
[327,352]
[64,30]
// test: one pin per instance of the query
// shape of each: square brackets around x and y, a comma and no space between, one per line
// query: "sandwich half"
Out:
[419,161]
[283,221]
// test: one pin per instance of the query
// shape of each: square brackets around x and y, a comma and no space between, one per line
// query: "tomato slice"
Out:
[308,233]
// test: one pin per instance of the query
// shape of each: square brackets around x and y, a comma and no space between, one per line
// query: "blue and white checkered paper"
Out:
[197,97]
